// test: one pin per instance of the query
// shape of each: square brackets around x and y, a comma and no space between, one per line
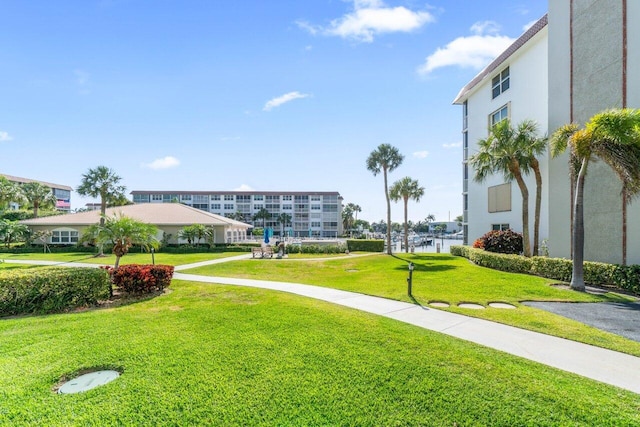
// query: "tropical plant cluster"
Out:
[360,245]
[141,279]
[626,277]
[51,290]
[500,241]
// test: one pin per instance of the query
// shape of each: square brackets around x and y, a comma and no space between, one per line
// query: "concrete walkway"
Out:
[618,369]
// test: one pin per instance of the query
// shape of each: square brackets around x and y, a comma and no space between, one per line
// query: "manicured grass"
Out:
[219,355]
[438,277]
[130,258]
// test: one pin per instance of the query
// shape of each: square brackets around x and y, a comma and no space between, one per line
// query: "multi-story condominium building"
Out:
[313,214]
[579,59]
[62,192]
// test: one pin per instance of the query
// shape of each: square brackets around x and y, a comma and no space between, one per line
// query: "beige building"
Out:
[169,218]
[62,192]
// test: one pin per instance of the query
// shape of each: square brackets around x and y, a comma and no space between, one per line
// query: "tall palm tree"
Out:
[532,147]
[506,150]
[104,183]
[283,219]
[262,214]
[38,196]
[612,136]
[385,159]
[406,189]
[347,218]
[9,192]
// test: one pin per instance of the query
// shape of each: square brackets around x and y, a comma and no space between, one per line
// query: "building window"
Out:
[499,115]
[500,83]
[499,227]
[156,197]
[228,206]
[316,207]
[140,198]
[201,206]
[315,198]
[258,198]
[215,197]
[64,236]
[465,115]
[500,198]
[228,196]
[288,198]
[287,207]
[215,206]
[185,197]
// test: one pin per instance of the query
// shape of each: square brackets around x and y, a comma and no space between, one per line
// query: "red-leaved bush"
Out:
[504,242]
[138,279]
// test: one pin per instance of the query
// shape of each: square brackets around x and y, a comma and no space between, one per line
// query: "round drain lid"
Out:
[88,381]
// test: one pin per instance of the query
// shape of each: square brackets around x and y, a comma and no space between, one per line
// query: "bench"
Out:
[263,252]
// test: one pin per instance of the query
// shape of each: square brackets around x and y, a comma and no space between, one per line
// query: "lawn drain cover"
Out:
[471,306]
[439,304]
[501,305]
[88,381]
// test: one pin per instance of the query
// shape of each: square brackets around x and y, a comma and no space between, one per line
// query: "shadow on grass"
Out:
[424,264]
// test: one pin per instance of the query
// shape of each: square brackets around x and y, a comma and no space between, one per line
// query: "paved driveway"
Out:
[619,318]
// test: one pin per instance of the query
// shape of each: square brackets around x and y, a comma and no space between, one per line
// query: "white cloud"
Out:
[453,145]
[244,187]
[4,136]
[287,97]
[485,27]
[370,18]
[421,154]
[163,163]
[474,51]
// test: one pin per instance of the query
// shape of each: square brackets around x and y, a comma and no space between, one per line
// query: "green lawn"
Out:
[130,258]
[438,277]
[219,355]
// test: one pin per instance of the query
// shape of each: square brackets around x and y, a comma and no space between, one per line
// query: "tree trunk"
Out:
[406,226]
[625,199]
[577,273]
[536,220]
[386,194]
[35,209]
[526,244]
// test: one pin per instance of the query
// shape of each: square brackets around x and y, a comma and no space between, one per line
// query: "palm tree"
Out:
[11,231]
[194,233]
[385,159]
[102,182]
[507,151]
[612,136]
[406,189]
[283,219]
[9,192]
[262,214]
[347,218]
[38,196]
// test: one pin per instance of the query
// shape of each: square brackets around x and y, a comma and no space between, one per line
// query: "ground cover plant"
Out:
[438,277]
[220,355]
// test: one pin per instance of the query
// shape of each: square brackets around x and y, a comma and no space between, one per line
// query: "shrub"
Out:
[501,241]
[479,243]
[459,250]
[51,290]
[139,279]
[503,262]
[371,245]
[315,249]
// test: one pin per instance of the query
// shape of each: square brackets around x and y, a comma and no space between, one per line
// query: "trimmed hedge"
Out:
[141,278]
[51,290]
[314,249]
[625,277]
[361,245]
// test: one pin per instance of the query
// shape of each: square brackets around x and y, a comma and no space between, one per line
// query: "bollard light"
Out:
[153,258]
[410,279]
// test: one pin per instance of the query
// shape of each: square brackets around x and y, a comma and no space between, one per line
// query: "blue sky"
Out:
[279,95]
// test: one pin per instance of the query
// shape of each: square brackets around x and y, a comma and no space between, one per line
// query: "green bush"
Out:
[370,245]
[51,290]
[503,262]
[625,277]
[32,249]
[315,249]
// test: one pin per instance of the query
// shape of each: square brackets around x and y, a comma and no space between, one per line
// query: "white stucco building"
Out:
[581,58]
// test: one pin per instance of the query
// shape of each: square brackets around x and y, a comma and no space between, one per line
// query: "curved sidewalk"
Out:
[618,369]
